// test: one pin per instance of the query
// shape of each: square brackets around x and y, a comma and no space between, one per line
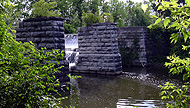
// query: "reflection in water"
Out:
[139,89]
[131,103]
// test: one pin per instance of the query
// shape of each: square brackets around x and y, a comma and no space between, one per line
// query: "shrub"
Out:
[72,25]
[26,73]
[69,28]
[107,17]
[89,19]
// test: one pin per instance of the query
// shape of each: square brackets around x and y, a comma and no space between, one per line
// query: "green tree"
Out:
[106,17]
[44,9]
[136,16]
[22,8]
[117,9]
[105,7]
[79,6]
[94,4]
[66,8]
[130,13]
[72,25]
[180,21]
[90,18]
[165,13]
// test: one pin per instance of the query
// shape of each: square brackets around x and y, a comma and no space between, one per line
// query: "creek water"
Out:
[136,87]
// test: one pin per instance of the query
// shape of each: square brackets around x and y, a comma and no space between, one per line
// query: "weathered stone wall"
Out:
[45,32]
[135,46]
[132,45]
[98,49]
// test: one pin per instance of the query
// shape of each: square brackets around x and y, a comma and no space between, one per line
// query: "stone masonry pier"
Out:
[45,32]
[98,49]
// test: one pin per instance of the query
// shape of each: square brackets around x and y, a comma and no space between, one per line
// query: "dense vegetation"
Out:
[44,9]
[178,19]
[26,73]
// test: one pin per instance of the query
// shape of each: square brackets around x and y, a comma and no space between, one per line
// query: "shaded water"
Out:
[138,87]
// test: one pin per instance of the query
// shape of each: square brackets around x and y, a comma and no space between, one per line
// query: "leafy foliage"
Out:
[90,18]
[79,6]
[71,27]
[26,74]
[177,48]
[130,13]
[66,8]
[107,17]
[179,95]
[117,9]
[178,65]
[93,6]
[180,21]
[44,9]
[22,8]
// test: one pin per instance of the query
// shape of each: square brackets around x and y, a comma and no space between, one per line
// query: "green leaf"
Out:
[174,24]
[187,23]
[165,3]
[188,20]
[163,97]
[174,38]
[67,88]
[162,93]
[185,35]
[58,62]
[154,16]
[37,92]
[166,22]
[158,21]
[185,47]
[56,85]
[172,96]
[160,8]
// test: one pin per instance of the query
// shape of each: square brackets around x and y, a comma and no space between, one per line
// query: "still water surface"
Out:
[137,87]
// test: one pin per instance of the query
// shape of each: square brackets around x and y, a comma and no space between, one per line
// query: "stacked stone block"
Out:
[127,37]
[45,32]
[98,49]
